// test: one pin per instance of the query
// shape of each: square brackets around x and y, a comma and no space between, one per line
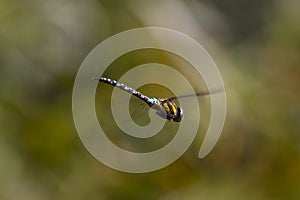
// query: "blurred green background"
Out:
[256,45]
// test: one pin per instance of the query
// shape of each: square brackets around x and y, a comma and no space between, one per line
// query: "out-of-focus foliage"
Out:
[256,46]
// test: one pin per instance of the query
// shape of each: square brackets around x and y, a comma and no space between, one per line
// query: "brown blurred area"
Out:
[256,45]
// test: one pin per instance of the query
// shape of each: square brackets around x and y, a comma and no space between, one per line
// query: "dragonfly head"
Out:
[179,115]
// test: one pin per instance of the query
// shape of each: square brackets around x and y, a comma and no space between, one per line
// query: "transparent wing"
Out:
[203,93]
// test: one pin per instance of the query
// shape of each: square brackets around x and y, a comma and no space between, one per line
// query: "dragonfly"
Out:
[164,107]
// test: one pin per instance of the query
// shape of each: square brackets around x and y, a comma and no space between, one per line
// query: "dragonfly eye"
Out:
[180,112]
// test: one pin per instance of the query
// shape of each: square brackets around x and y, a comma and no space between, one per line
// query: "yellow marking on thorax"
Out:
[174,109]
[166,107]
[170,108]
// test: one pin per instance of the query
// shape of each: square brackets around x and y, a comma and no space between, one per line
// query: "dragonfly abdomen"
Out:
[130,90]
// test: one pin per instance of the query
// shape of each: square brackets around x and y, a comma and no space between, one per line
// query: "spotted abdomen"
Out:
[130,90]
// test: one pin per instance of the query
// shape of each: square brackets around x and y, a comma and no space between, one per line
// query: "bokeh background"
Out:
[256,45]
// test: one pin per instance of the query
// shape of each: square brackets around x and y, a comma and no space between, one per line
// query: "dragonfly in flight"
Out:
[164,107]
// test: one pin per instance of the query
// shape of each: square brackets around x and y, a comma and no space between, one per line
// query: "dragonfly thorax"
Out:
[168,109]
